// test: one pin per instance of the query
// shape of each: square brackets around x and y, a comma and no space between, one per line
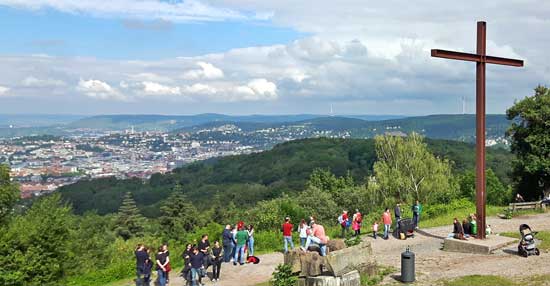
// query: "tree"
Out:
[497,193]
[129,222]
[407,171]
[33,247]
[9,193]
[530,138]
[178,214]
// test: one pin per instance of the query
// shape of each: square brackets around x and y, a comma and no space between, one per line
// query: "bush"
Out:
[283,276]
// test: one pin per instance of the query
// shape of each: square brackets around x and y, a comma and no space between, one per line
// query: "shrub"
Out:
[283,276]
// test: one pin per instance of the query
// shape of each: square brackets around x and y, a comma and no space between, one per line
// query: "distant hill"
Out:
[247,179]
[172,122]
[35,120]
[451,127]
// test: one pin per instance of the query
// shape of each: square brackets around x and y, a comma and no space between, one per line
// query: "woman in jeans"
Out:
[250,231]
[162,261]
[302,230]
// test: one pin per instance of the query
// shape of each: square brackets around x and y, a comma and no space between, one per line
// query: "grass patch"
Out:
[543,236]
[480,280]
[447,219]
[383,271]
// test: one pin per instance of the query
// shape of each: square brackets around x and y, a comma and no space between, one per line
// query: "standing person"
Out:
[161,260]
[141,258]
[358,217]
[204,248]
[317,236]
[375,229]
[343,220]
[168,266]
[397,213]
[147,269]
[228,244]
[286,228]
[386,219]
[186,255]
[250,232]
[416,210]
[197,267]
[302,232]
[234,235]
[217,258]
[241,238]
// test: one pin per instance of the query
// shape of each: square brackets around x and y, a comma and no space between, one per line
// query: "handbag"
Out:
[168,268]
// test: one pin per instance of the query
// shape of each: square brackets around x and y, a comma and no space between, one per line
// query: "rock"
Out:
[351,279]
[312,264]
[336,244]
[358,257]
[292,258]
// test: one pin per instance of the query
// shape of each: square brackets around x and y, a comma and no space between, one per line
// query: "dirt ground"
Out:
[432,264]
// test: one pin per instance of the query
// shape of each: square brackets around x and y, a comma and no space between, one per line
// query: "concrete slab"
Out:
[477,246]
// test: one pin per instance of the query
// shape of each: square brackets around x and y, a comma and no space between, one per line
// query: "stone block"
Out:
[351,279]
[336,244]
[323,281]
[477,246]
[348,259]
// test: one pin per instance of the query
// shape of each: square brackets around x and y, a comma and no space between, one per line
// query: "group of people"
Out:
[468,228]
[309,233]
[238,245]
[355,222]
[387,219]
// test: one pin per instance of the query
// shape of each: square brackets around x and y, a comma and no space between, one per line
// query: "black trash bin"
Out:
[407,266]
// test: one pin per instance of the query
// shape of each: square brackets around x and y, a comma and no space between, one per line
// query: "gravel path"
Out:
[432,263]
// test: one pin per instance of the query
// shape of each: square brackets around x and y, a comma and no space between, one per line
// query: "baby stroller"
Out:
[527,244]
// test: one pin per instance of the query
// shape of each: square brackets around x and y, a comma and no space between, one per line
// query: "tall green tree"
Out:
[178,215]
[407,171]
[9,193]
[129,222]
[530,138]
[497,193]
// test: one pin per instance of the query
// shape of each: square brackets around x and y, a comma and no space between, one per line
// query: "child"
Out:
[375,229]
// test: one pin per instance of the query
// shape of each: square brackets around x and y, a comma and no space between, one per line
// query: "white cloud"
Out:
[206,71]
[47,82]
[98,89]
[153,88]
[176,11]
[4,90]
[200,88]
[255,90]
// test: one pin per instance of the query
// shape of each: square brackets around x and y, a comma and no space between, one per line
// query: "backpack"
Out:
[359,218]
[340,219]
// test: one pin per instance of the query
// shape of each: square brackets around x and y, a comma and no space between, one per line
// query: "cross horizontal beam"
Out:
[476,58]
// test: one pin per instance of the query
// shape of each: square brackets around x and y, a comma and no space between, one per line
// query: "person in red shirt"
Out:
[287,234]
[386,219]
[344,223]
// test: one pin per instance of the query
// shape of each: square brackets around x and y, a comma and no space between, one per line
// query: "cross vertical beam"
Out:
[480,130]
[481,59]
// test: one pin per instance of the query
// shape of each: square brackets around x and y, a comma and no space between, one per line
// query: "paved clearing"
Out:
[431,262]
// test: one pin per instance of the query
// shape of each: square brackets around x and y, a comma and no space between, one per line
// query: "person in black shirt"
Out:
[141,258]
[228,244]
[204,248]
[197,267]
[162,261]
[186,255]
[467,228]
[217,259]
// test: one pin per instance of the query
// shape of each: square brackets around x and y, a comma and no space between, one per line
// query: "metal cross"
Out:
[481,59]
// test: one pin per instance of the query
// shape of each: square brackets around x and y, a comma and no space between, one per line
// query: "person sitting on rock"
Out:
[458,230]
[467,228]
[317,236]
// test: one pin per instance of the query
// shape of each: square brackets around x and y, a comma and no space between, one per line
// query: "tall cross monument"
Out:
[481,59]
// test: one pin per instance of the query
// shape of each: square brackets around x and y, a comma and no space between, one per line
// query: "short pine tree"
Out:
[129,222]
[178,215]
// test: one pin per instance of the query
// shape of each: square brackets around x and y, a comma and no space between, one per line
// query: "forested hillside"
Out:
[247,179]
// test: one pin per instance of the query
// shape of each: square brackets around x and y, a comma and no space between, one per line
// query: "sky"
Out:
[264,57]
